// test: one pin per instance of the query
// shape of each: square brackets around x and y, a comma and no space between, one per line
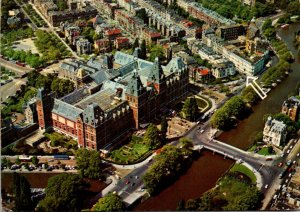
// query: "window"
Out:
[92,137]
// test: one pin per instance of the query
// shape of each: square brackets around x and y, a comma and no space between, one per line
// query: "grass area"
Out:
[252,148]
[203,100]
[244,170]
[58,139]
[201,103]
[265,151]
[131,152]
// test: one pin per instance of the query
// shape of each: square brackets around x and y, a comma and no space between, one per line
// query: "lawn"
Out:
[131,152]
[203,103]
[265,151]
[244,170]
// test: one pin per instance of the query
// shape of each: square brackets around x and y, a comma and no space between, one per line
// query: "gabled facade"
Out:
[100,119]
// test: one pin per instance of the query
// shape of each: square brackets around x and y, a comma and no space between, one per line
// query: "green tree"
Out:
[186,143]
[35,160]
[22,193]
[18,161]
[152,138]
[89,163]
[156,51]
[144,50]
[111,202]
[62,5]
[63,193]
[190,109]
[4,161]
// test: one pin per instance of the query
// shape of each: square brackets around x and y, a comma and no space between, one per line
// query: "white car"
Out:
[266,186]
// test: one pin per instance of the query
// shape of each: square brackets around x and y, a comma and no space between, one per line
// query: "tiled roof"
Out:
[100,76]
[113,32]
[66,110]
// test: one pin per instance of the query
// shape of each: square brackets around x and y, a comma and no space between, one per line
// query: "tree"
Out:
[190,109]
[135,44]
[22,193]
[89,163]
[144,50]
[152,138]
[35,160]
[111,202]
[156,51]
[63,193]
[163,127]
[4,161]
[18,161]
[62,5]
[186,143]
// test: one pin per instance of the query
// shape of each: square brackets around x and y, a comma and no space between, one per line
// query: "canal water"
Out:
[208,168]
[243,134]
[200,177]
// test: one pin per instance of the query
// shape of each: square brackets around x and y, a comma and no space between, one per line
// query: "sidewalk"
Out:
[134,166]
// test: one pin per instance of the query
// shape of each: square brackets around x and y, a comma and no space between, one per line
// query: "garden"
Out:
[58,140]
[203,103]
[132,152]
[239,168]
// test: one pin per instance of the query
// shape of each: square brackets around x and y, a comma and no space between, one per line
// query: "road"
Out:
[11,88]
[11,66]
[31,24]
[52,29]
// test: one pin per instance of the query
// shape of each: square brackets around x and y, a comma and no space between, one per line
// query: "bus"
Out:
[61,157]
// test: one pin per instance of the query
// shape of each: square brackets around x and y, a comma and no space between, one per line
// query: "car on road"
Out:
[280,164]
[132,184]
[288,163]
[298,154]
[201,131]
[288,151]
[266,186]
[127,182]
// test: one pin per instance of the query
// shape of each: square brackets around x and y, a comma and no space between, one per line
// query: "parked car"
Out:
[280,164]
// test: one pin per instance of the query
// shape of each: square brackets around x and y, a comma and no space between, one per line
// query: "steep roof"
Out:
[135,86]
[66,110]
[156,72]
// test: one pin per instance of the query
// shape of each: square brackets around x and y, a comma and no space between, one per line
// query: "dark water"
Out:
[200,177]
[242,135]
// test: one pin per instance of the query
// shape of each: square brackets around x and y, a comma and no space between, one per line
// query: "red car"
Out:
[127,182]
[280,164]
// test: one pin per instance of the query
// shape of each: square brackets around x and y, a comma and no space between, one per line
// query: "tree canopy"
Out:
[111,202]
[22,193]
[89,163]
[63,193]
[190,109]
[151,137]
[167,167]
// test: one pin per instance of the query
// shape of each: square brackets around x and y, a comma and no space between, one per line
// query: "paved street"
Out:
[10,89]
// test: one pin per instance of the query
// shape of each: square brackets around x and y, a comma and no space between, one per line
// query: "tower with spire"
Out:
[156,77]
[136,95]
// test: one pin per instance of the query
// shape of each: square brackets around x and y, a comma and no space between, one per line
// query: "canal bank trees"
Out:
[167,167]
[231,193]
[89,163]
[225,117]
[111,202]
[63,193]
[22,193]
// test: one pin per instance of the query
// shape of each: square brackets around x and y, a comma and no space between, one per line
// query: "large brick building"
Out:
[98,119]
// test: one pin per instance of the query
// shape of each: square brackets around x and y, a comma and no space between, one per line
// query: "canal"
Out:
[200,177]
[208,168]
[243,134]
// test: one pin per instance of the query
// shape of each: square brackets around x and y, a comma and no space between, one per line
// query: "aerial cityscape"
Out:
[150,105]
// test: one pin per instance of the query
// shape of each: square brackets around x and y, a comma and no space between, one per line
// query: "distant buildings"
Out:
[101,118]
[249,52]
[83,46]
[274,132]
[293,189]
[291,107]
[223,69]
[77,9]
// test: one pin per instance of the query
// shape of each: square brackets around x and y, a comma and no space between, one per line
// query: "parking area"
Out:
[177,127]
